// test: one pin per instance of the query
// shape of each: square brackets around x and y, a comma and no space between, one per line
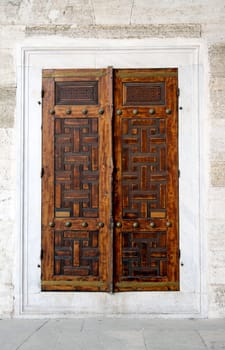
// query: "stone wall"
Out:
[203,19]
[216,214]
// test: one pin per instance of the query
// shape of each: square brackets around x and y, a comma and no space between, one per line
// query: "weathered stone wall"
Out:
[115,19]
[216,215]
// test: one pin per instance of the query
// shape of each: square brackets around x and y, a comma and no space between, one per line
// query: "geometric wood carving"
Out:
[144,254]
[76,184]
[76,167]
[76,93]
[144,94]
[144,176]
[146,180]
[119,167]
[76,253]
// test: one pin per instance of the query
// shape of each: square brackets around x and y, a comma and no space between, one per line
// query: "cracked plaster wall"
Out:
[115,19]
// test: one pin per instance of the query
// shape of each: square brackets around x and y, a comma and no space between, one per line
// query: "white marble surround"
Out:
[189,56]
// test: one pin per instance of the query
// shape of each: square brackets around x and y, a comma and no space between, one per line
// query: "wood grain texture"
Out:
[105,169]
[76,186]
[146,181]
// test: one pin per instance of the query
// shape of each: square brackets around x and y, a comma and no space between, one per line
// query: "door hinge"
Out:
[178,92]
[179,253]
[41,254]
[42,93]
[178,172]
[42,172]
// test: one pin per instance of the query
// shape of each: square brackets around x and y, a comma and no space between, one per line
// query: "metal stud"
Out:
[135,224]
[135,111]
[84,224]
[151,111]
[101,111]
[68,224]
[169,224]
[118,224]
[119,112]
[52,111]
[152,224]
[51,224]
[101,224]
[68,111]
[85,111]
[168,111]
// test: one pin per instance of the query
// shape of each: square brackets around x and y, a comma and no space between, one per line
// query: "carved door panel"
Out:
[76,182]
[110,180]
[146,180]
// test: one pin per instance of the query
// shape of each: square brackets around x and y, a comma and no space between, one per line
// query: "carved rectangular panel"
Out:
[144,255]
[76,93]
[76,253]
[144,167]
[143,94]
[76,167]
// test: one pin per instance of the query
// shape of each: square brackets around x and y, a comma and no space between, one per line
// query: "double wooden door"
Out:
[110,180]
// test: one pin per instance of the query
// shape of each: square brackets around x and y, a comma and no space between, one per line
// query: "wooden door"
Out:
[146,180]
[76,182]
[110,202]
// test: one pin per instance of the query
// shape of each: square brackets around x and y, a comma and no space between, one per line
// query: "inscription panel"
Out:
[76,93]
[143,94]
[144,255]
[76,253]
[144,168]
[76,168]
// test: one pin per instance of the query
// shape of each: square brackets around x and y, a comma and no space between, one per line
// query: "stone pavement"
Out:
[111,334]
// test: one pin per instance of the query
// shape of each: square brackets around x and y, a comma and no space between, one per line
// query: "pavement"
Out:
[112,334]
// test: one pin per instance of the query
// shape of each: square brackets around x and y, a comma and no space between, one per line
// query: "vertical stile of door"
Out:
[109,139]
[146,180]
[76,183]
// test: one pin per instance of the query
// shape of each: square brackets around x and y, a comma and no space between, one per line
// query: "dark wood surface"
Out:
[146,181]
[97,177]
[76,186]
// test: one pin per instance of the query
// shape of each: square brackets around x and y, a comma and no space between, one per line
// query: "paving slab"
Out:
[16,332]
[214,339]
[174,340]
[112,333]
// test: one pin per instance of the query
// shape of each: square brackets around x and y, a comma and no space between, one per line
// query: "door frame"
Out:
[188,56]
